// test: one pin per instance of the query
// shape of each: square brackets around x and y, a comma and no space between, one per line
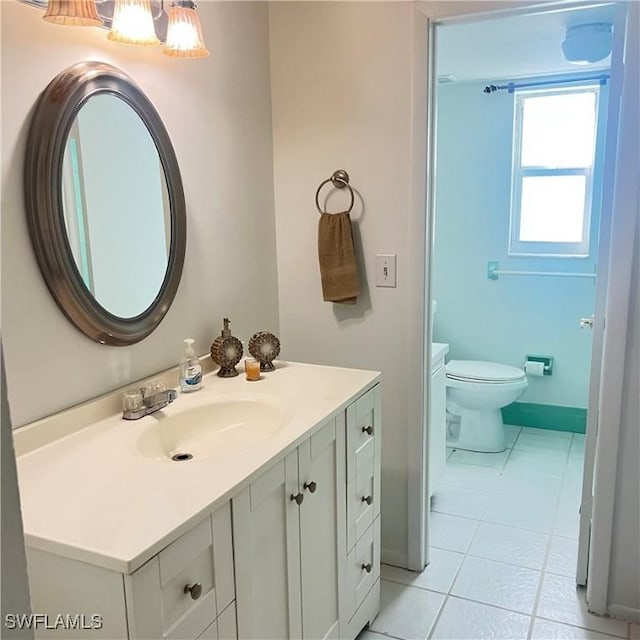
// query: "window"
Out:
[552,182]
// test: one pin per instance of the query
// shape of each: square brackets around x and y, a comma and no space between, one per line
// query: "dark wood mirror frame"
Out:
[53,116]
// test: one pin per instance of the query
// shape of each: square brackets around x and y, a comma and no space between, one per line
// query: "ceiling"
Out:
[514,47]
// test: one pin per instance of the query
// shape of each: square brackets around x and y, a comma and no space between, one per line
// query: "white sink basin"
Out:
[209,431]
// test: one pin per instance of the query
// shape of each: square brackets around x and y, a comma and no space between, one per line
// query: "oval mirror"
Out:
[105,203]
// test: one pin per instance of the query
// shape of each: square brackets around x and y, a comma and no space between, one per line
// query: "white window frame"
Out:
[519,247]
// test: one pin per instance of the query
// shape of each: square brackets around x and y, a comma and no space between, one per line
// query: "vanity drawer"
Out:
[363,557]
[361,422]
[361,495]
[179,592]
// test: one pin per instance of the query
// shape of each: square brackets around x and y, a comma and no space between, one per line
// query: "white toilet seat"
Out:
[482,372]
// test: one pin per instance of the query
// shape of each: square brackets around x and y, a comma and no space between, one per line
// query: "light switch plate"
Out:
[386,269]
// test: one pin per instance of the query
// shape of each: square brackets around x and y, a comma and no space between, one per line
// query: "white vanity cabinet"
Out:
[306,544]
[437,416]
[281,540]
[185,591]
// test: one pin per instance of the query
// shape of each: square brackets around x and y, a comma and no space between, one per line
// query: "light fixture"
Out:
[184,33]
[76,13]
[587,43]
[133,23]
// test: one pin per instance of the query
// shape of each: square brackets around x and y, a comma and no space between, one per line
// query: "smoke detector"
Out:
[587,43]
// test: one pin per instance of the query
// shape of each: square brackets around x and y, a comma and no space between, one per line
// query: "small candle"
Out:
[252,369]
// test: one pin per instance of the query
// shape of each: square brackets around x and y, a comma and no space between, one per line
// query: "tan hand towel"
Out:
[338,267]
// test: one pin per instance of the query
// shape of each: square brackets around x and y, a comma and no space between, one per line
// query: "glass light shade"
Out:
[75,13]
[184,34]
[133,23]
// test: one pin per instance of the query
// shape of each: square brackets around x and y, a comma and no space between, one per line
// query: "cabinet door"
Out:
[322,529]
[437,428]
[267,554]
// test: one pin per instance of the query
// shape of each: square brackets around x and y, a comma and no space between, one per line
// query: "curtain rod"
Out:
[512,86]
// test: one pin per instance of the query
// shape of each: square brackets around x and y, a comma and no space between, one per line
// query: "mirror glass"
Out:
[105,203]
[116,206]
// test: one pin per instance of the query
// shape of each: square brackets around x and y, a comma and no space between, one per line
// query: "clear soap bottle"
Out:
[190,369]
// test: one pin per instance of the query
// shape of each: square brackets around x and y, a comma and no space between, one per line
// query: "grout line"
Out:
[487,604]
[436,620]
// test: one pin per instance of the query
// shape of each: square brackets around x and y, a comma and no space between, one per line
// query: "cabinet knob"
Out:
[368,430]
[312,486]
[298,498]
[367,567]
[194,589]
[367,499]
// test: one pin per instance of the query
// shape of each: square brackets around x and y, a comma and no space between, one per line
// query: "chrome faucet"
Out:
[141,402]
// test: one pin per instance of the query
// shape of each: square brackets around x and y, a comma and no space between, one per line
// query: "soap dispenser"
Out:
[190,369]
[226,351]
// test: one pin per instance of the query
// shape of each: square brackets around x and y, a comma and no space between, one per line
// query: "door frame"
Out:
[426,16]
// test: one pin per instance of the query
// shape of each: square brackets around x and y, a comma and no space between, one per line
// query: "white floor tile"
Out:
[461,620]
[437,576]
[457,501]
[522,513]
[563,556]
[529,485]
[451,532]
[559,435]
[495,460]
[547,630]
[506,544]
[535,442]
[470,476]
[567,522]
[541,461]
[571,492]
[496,583]
[562,601]
[406,612]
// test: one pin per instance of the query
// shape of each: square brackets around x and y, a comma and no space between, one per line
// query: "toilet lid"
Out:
[483,371]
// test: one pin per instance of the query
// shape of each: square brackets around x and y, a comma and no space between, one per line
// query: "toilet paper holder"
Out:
[547,363]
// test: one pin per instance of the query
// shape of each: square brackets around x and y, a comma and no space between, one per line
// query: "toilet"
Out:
[476,391]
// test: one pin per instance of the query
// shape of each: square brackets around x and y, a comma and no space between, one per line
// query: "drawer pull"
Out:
[367,567]
[368,430]
[367,499]
[298,498]
[194,589]
[312,486]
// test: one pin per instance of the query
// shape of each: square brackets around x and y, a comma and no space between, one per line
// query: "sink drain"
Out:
[181,457]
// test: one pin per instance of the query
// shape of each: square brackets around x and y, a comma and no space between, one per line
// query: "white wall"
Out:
[218,114]
[341,91]
[504,320]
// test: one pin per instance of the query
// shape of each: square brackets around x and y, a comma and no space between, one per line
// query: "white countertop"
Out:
[92,497]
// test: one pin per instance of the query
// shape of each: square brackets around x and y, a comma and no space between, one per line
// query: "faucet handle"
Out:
[152,387]
[133,404]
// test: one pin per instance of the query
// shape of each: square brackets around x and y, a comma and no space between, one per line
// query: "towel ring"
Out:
[340,180]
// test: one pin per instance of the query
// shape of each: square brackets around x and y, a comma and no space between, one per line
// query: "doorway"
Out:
[475,346]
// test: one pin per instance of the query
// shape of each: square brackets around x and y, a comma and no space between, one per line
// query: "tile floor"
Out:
[504,531]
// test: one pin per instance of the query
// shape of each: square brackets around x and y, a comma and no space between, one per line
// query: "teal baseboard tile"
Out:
[546,416]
